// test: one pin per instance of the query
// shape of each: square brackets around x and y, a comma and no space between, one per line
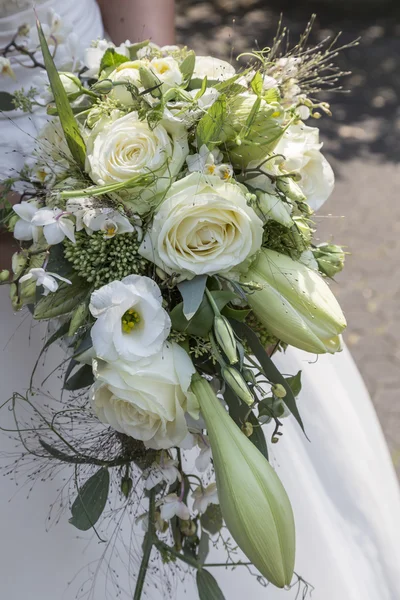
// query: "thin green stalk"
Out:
[147,547]
[189,561]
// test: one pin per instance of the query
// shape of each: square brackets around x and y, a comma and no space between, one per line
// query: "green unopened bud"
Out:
[126,486]
[4,275]
[23,30]
[225,338]
[290,188]
[278,390]
[150,82]
[249,376]
[71,83]
[330,258]
[237,384]
[295,304]
[247,429]
[253,501]
[103,86]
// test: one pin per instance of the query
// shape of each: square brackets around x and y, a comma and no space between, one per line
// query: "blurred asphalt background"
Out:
[362,142]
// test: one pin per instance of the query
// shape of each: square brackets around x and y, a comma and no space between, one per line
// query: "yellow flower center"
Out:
[210,169]
[130,319]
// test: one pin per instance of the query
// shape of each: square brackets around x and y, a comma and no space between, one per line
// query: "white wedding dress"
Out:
[341,483]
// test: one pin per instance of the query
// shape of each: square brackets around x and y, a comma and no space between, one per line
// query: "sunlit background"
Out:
[362,142]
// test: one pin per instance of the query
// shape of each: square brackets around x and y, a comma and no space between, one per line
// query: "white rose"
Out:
[131,322]
[168,72]
[126,147]
[212,68]
[203,226]
[127,72]
[147,400]
[301,147]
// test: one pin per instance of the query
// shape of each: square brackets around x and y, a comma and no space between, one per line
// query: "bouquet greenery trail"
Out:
[166,231]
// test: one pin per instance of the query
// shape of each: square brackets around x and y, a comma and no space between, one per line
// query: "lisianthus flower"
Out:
[44,278]
[173,506]
[205,496]
[131,322]
[56,224]
[24,229]
[96,218]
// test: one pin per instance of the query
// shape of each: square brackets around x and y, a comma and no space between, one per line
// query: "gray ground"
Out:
[362,141]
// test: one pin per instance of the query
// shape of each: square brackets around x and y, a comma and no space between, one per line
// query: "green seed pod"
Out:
[278,390]
[253,501]
[103,86]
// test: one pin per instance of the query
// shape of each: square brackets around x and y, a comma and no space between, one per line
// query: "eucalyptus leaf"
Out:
[91,500]
[68,122]
[207,586]
[6,101]
[212,520]
[202,321]
[269,368]
[211,124]
[81,379]
[192,292]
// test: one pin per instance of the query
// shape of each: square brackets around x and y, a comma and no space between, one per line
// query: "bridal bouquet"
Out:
[166,231]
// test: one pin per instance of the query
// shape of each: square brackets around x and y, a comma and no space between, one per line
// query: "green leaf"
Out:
[192,292]
[70,126]
[203,548]
[81,379]
[111,59]
[134,48]
[257,84]
[207,586]
[6,101]
[187,66]
[202,90]
[238,410]
[211,124]
[228,84]
[55,453]
[61,331]
[294,383]
[238,314]
[211,520]
[63,301]
[246,129]
[91,500]
[203,320]
[272,95]
[84,344]
[270,370]
[78,318]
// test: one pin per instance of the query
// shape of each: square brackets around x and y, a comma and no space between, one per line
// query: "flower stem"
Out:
[147,547]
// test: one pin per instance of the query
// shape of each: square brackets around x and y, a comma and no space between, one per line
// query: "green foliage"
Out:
[6,101]
[294,383]
[211,520]
[150,82]
[111,59]
[63,301]
[78,318]
[207,586]
[210,126]
[257,84]
[81,379]
[187,66]
[192,292]
[70,126]
[91,500]
[134,48]
[202,321]
[270,370]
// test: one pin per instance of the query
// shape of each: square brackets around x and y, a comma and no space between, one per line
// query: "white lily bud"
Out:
[253,501]
[236,382]
[295,304]
[225,338]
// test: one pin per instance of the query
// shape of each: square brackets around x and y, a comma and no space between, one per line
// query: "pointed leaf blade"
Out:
[207,586]
[192,292]
[91,500]
[69,124]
